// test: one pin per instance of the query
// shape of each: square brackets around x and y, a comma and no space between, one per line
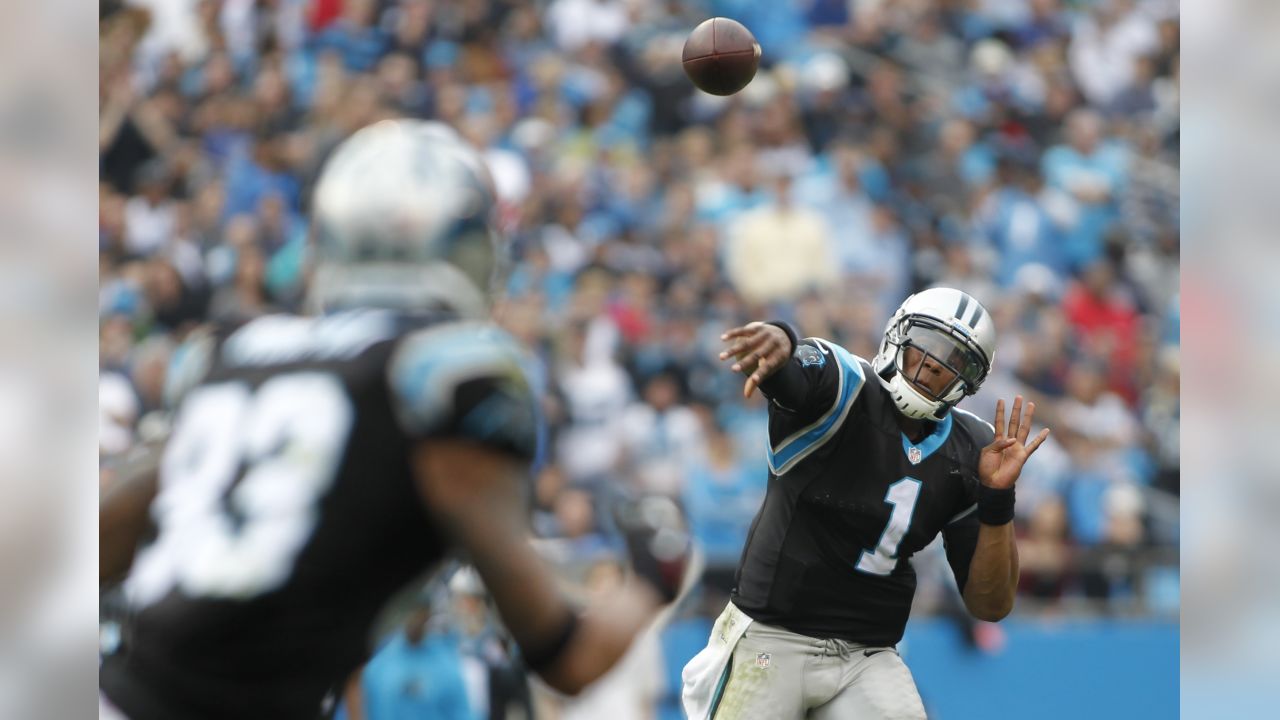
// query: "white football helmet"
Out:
[952,329]
[404,218]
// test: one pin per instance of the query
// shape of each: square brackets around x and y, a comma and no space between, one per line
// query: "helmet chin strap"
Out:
[910,402]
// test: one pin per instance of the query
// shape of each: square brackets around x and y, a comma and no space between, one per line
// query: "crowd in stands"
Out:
[1025,151]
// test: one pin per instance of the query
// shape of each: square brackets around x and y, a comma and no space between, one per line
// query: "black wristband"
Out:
[792,335]
[539,657]
[995,505]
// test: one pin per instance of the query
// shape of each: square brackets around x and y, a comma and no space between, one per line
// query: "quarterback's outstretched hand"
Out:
[758,349]
[1001,462]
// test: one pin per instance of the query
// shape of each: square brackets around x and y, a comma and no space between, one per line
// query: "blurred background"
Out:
[1025,151]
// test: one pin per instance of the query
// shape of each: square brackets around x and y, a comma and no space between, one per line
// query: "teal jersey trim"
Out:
[719,694]
[935,439]
[803,442]
[427,370]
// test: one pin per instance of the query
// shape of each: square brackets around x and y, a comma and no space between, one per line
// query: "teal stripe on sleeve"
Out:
[804,442]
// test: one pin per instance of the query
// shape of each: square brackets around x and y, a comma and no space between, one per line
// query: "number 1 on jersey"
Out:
[882,559]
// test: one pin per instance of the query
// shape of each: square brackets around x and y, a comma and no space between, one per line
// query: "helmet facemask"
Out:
[943,351]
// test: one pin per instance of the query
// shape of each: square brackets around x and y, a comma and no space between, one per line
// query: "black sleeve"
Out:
[960,534]
[810,397]
[807,384]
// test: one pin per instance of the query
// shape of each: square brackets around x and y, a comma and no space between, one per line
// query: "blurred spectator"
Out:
[495,681]
[779,251]
[355,35]
[882,148]
[574,23]
[721,497]
[1104,45]
[1044,553]
[416,674]
[1013,219]
[150,216]
[1162,417]
[663,436]
[1107,324]
[596,391]
[247,296]
[1092,172]
[117,413]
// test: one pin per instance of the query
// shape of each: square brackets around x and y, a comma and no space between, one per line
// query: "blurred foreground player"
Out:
[318,464]
[868,463]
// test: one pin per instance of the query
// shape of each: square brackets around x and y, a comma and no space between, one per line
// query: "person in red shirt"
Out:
[1107,323]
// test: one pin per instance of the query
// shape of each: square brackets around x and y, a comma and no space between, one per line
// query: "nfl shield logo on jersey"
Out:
[914,455]
[762,661]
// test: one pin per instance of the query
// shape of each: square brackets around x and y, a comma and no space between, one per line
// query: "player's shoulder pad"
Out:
[817,352]
[842,377]
[980,431]
[188,365]
[467,380]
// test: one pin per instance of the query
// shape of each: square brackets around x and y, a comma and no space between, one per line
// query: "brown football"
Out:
[721,56]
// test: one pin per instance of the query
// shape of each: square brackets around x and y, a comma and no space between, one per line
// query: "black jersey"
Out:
[287,513]
[850,499]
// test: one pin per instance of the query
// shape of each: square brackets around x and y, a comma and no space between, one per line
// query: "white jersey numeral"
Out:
[881,560]
[288,438]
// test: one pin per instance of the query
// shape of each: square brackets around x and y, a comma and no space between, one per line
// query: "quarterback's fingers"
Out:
[1015,416]
[749,387]
[998,426]
[999,444]
[1039,439]
[739,348]
[762,370]
[782,351]
[770,351]
[739,331]
[1024,427]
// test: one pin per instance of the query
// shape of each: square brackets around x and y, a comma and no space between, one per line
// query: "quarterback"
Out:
[868,462]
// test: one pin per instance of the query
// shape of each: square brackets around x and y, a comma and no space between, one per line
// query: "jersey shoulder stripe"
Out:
[431,366]
[806,440]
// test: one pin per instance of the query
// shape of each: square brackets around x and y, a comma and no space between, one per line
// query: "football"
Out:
[721,56]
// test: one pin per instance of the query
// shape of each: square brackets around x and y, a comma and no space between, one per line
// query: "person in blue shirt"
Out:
[1093,173]
[416,674]
[1014,222]
[722,496]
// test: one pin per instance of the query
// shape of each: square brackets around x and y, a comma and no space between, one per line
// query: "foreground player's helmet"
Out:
[953,330]
[403,213]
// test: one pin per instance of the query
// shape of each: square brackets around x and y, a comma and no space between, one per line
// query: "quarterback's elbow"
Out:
[567,676]
[989,608]
[992,614]
[564,686]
